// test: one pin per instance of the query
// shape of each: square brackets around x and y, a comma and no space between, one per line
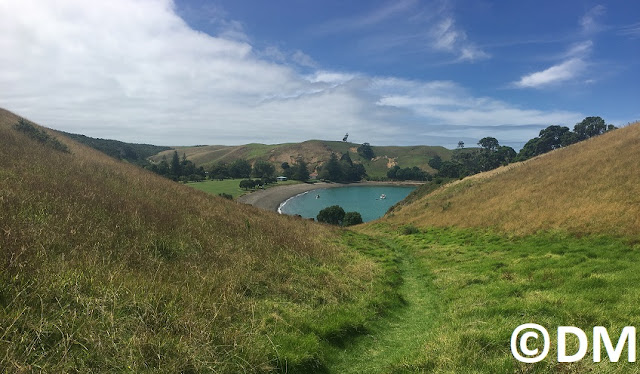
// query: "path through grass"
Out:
[393,340]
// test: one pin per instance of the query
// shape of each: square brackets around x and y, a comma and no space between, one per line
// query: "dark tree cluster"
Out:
[237,169]
[491,154]
[335,215]
[298,171]
[554,137]
[465,162]
[365,151]
[343,170]
[247,184]
[179,170]
[403,174]
[131,152]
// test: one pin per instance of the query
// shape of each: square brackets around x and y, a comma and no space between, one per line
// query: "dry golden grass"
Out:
[589,187]
[107,267]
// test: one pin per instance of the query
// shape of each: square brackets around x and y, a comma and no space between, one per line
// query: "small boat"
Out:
[317,196]
[383,196]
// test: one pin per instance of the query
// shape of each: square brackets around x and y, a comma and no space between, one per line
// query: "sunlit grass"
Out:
[589,187]
[107,267]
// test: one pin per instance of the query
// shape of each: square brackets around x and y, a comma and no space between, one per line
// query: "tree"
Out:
[300,171]
[436,162]
[333,215]
[331,170]
[263,169]
[246,184]
[219,170]
[346,158]
[589,127]
[176,167]
[460,144]
[488,143]
[366,151]
[240,169]
[285,165]
[351,218]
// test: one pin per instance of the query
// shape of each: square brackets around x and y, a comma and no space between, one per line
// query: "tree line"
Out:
[491,154]
[178,169]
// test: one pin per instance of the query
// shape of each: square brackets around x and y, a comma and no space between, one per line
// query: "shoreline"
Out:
[271,198]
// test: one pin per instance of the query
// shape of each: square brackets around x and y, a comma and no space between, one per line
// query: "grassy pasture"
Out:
[229,186]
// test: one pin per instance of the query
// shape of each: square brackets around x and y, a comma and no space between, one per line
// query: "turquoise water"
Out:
[363,199]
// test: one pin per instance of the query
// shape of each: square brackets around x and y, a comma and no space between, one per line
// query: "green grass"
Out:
[486,284]
[394,340]
[229,186]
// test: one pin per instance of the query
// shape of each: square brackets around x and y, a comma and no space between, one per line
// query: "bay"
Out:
[363,199]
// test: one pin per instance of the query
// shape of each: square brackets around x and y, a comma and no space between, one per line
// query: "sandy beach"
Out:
[271,198]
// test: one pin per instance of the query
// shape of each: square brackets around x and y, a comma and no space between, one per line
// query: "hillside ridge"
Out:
[591,186]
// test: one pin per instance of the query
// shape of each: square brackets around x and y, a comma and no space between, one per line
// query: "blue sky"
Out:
[388,72]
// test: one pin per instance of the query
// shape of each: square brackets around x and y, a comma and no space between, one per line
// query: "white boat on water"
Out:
[383,196]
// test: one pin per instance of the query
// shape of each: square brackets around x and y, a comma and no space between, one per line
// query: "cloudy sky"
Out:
[401,72]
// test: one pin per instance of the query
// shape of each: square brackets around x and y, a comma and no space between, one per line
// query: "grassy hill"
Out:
[553,241]
[107,267]
[314,152]
[130,152]
[590,187]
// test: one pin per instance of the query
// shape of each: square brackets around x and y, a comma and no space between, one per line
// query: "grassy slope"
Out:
[563,252]
[314,152]
[589,187]
[107,267]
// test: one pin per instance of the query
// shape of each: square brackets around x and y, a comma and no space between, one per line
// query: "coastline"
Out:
[271,198]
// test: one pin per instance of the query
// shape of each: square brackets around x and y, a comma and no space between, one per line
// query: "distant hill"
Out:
[314,152]
[130,152]
[107,267]
[589,187]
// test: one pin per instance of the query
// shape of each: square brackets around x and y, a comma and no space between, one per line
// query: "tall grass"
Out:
[107,267]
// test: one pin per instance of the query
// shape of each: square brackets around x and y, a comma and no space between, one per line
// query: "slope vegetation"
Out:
[589,187]
[314,152]
[107,267]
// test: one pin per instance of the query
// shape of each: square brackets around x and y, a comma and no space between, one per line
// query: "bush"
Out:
[351,218]
[246,184]
[333,215]
[40,135]
[226,196]
[409,230]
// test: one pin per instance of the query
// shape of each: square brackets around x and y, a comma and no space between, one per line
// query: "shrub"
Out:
[226,196]
[40,135]
[409,230]
[333,215]
[351,218]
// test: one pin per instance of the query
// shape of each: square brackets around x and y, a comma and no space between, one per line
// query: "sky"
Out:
[388,72]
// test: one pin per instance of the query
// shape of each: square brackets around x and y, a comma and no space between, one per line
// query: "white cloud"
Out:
[133,70]
[573,66]
[589,22]
[446,36]
[555,74]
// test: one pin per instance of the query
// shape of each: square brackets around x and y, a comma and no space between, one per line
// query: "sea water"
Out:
[363,199]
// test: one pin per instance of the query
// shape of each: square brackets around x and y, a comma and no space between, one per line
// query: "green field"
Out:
[465,291]
[229,186]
